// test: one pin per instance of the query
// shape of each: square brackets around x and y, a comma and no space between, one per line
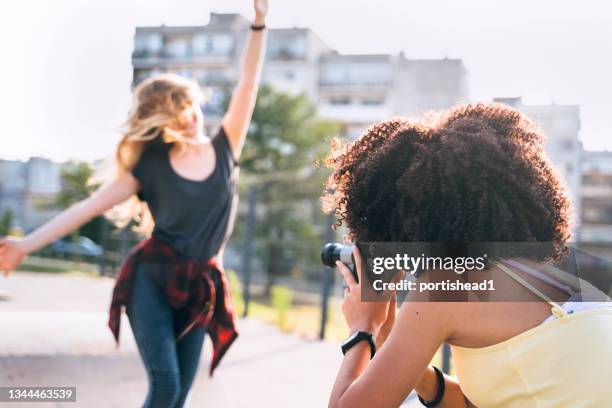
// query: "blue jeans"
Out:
[171,365]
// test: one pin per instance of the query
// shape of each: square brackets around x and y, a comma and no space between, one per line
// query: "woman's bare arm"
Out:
[401,365]
[12,251]
[427,388]
[236,120]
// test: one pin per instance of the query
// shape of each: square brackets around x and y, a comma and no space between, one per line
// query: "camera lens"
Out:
[333,252]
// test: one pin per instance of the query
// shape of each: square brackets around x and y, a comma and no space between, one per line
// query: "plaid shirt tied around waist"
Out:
[189,286]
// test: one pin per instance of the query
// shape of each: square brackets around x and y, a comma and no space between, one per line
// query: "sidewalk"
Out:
[54,334]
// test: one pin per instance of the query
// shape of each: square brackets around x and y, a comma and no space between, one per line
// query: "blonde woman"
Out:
[172,284]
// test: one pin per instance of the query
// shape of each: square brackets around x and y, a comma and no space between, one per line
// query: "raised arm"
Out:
[13,251]
[236,120]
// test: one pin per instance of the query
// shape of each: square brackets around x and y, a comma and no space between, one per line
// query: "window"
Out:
[340,101]
[566,144]
[214,105]
[148,44]
[565,123]
[178,48]
[185,72]
[372,102]
[141,74]
[287,47]
[214,44]
[216,77]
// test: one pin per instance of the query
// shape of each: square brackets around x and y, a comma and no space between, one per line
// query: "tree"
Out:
[285,134]
[75,178]
[6,221]
[76,186]
[284,140]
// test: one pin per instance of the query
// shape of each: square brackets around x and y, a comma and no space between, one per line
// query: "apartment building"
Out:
[561,126]
[356,90]
[596,226]
[27,188]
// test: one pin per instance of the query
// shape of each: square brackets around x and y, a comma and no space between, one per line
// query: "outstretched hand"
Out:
[261,10]
[12,254]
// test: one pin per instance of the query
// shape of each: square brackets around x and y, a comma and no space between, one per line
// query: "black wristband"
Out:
[356,338]
[257,27]
[439,395]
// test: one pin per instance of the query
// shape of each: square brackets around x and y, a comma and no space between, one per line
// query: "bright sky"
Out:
[66,69]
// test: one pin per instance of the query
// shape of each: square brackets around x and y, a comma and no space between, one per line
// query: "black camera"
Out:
[333,252]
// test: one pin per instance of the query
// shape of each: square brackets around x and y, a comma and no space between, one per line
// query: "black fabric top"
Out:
[195,217]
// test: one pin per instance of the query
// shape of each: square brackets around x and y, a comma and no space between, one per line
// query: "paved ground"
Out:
[53,332]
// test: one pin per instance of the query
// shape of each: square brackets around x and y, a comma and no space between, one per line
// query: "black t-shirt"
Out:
[195,217]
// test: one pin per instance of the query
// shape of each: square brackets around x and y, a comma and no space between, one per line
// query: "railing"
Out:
[189,54]
[355,82]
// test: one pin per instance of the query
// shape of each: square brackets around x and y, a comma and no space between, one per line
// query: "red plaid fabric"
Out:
[189,286]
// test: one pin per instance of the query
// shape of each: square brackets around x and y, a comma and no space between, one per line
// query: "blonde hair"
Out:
[157,104]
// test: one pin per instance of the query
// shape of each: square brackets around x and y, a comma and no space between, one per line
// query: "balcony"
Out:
[285,54]
[362,94]
[215,79]
[146,54]
[153,58]
[601,191]
[354,86]
[354,81]
[353,113]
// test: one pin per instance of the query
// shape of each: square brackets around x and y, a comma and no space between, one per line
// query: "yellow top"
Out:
[564,363]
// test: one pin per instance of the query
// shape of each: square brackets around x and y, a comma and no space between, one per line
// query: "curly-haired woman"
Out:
[477,174]
[172,284]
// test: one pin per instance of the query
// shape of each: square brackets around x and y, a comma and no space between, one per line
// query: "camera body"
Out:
[333,252]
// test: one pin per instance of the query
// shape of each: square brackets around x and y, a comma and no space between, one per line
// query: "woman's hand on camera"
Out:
[368,317]
[391,313]
[385,329]
[261,11]
[12,253]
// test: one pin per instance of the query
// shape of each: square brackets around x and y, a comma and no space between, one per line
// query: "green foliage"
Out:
[285,140]
[76,186]
[281,301]
[285,134]
[236,291]
[6,222]
[75,178]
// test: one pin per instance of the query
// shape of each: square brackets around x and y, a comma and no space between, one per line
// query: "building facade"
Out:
[561,126]
[27,189]
[356,90]
[596,191]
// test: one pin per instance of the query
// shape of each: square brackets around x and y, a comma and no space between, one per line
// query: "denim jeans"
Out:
[171,365]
